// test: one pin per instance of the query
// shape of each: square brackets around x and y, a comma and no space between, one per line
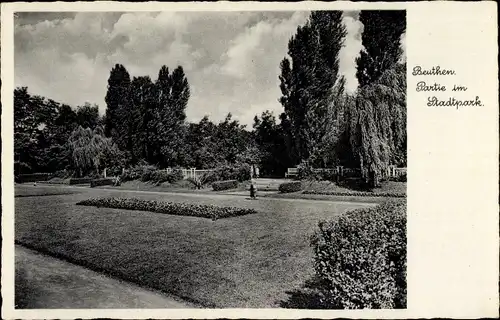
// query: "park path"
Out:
[46,282]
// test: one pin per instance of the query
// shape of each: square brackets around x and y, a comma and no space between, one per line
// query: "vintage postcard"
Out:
[250,160]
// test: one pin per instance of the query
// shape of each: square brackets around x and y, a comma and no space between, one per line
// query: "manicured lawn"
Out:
[244,262]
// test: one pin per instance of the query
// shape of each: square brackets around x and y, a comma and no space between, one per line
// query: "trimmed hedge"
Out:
[73,181]
[225,185]
[148,173]
[101,182]
[288,187]
[33,177]
[360,258]
[357,194]
[181,209]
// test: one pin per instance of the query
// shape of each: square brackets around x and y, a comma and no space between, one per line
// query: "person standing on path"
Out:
[253,190]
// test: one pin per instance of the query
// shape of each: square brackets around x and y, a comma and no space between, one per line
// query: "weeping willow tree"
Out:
[91,151]
[376,124]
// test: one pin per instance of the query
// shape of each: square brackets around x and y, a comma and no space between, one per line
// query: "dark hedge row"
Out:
[73,181]
[225,185]
[181,209]
[101,182]
[357,194]
[360,258]
[32,177]
[288,187]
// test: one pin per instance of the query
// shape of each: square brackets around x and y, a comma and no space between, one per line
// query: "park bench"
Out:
[292,172]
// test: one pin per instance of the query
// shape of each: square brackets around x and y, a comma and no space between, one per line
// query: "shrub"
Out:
[225,185]
[357,194]
[101,182]
[305,171]
[74,181]
[182,209]
[360,258]
[288,187]
[160,176]
[148,173]
[240,172]
[33,177]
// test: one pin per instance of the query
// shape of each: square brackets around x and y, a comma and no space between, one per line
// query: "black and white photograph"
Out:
[210,159]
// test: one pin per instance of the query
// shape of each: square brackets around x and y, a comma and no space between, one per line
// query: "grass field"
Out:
[245,262]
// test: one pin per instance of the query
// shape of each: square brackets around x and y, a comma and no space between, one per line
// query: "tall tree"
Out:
[381,41]
[173,93]
[117,102]
[377,124]
[307,78]
[143,97]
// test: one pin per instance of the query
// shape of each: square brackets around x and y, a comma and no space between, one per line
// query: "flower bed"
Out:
[225,185]
[357,194]
[288,187]
[181,209]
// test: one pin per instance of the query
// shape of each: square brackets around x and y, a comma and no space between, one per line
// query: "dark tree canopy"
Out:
[381,39]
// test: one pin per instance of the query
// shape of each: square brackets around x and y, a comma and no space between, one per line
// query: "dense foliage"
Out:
[360,258]
[288,187]
[225,185]
[101,182]
[182,209]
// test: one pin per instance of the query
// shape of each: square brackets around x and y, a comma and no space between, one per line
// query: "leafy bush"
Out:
[225,185]
[148,173]
[33,177]
[357,194]
[63,174]
[101,182]
[240,172]
[182,209]
[74,181]
[305,171]
[288,187]
[360,258]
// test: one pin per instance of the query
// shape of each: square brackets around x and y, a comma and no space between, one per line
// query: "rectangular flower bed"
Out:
[181,209]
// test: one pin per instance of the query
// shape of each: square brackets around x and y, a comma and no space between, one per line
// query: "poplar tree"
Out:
[118,107]
[307,78]
[381,41]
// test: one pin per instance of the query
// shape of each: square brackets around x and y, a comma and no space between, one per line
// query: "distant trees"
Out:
[42,128]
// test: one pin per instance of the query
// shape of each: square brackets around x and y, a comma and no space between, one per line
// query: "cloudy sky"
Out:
[231,58]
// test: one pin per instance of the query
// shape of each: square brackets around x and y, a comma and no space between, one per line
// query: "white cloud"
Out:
[231,59]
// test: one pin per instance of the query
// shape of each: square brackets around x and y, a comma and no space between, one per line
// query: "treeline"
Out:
[321,125]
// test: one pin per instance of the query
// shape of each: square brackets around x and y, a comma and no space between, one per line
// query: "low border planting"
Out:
[180,209]
[33,177]
[101,182]
[74,181]
[289,187]
[225,185]
[357,194]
